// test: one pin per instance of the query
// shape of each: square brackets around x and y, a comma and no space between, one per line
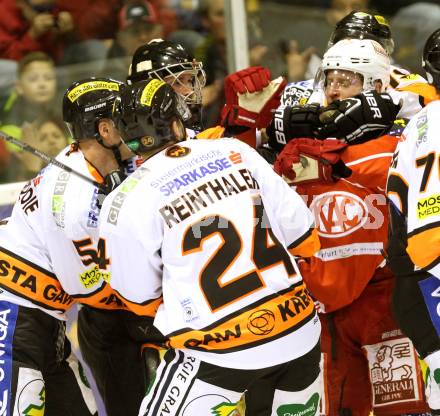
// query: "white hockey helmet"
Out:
[362,56]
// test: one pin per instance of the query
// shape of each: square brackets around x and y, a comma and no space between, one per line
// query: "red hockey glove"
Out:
[251,97]
[311,161]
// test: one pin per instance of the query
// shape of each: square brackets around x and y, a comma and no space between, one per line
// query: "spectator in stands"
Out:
[412,25]
[47,134]
[23,165]
[212,52]
[99,22]
[52,136]
[33,94]
[138,24]
[34,25]
[5,157]
[302,60]
[167,14]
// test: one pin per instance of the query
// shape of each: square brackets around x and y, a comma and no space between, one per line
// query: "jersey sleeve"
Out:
[418,166]
[286,210]
[135,261]
[369,161]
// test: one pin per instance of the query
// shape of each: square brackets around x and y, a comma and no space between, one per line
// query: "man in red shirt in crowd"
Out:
[34,25]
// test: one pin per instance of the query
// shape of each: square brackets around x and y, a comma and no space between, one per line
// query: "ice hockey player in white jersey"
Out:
[110,337]
[50,259]
[413,189]
[212,229]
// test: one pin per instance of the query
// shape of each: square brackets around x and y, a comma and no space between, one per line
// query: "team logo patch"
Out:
[261,322]
[177,151]
[307,409]
[338,213]
[147,141]
[189,310]
[393,372]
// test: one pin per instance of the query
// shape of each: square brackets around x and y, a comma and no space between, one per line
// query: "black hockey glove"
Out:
[293,122]
[267,153]
[112,181]
[355,120]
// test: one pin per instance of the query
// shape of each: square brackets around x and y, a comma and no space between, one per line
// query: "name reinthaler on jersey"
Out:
[206,194]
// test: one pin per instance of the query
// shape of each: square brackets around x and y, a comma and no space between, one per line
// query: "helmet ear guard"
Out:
[144,115]
[431,59]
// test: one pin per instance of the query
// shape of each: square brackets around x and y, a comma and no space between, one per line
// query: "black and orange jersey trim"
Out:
[307,245]
[31,282]
[425,91]
[102,298]
[147,308]
[266,320]
[424,245]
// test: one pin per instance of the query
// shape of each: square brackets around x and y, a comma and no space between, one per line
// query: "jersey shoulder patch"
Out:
[297,93]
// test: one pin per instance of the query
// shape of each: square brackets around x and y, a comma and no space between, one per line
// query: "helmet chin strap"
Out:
[115,177]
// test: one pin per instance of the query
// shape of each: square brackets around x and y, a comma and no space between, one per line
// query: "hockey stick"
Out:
[45,157]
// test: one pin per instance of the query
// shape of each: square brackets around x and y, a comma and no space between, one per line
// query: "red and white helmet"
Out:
[362,56]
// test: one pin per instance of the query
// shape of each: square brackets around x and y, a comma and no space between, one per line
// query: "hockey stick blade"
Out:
[45,157]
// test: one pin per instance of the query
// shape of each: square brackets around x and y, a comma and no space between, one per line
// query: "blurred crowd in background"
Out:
[47,44]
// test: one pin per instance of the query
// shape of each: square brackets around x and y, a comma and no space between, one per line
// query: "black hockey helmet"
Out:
[155,56]
[144,114]
[86,102]
[167,61]
[361,25]
[431,59]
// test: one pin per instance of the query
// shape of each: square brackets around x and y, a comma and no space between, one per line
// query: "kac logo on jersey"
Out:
[178,151]
[338,213]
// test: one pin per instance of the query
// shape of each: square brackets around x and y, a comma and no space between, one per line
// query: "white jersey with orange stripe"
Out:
[406,88]
[414,186]
[208,224]
[49,252]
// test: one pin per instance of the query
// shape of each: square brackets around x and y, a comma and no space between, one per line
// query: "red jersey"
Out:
[352,221]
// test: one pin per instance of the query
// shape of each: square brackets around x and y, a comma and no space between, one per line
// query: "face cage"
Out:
[173,72]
